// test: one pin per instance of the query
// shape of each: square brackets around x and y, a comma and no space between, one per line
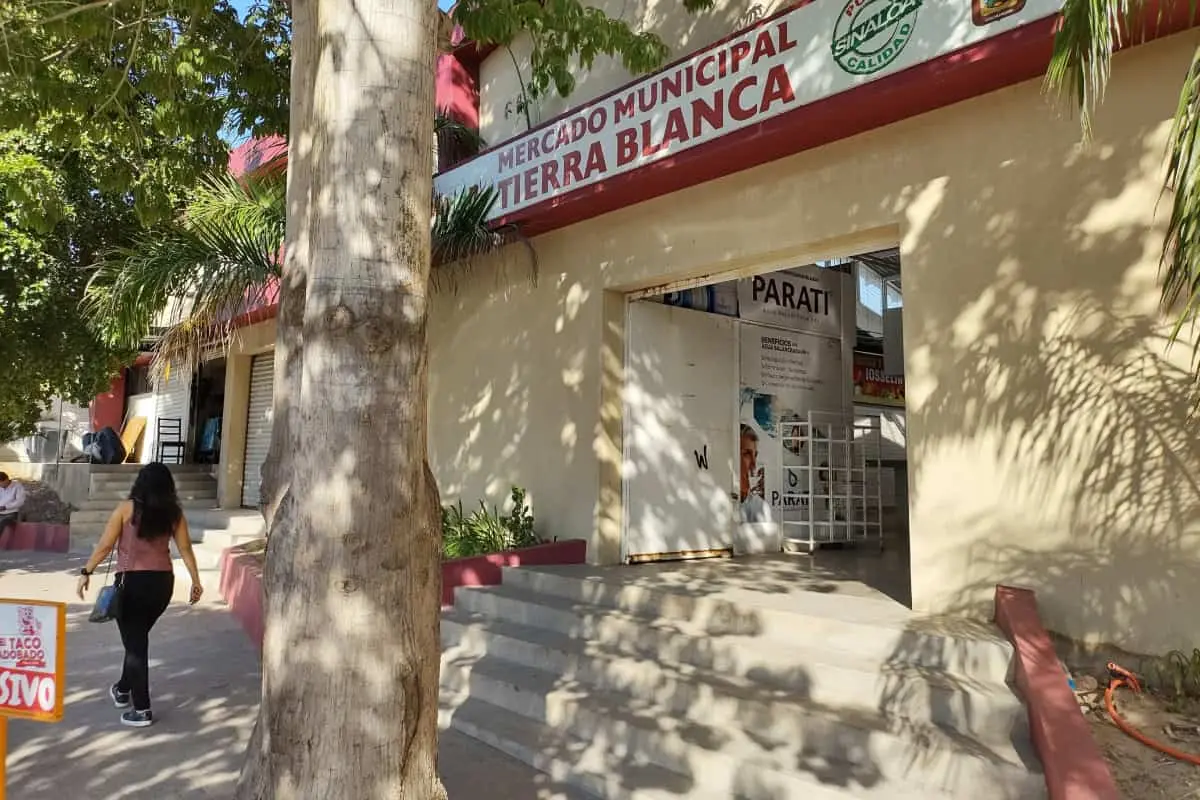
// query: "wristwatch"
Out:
[85,572]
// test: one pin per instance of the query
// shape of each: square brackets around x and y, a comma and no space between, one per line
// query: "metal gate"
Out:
[258,426]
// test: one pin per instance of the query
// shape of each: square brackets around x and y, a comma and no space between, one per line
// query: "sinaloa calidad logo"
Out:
[870,34]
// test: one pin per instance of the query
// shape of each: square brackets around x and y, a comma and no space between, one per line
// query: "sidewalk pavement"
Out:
[205,682]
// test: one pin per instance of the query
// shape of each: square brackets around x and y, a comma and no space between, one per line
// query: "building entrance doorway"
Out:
[765,414]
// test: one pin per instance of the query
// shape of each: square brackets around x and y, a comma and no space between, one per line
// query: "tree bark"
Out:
[254,781]
[353,583]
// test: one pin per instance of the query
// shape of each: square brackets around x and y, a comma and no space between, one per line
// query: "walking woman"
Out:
[141,528]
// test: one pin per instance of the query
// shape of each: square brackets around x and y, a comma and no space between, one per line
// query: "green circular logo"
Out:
[870,34]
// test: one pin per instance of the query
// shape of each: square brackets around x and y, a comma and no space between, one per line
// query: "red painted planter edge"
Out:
[1073,765]
[487,570]
[42,537]
[242,590]
[241,576]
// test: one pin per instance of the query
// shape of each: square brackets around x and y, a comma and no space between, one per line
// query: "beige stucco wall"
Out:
[1049,444]
[249,342]
[684,33]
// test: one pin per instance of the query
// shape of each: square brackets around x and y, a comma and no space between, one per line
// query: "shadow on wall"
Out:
[494,421]
[1047,427]
[1043,362]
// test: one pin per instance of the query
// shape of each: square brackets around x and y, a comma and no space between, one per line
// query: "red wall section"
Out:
[252,154]
[457,90]
[108,409]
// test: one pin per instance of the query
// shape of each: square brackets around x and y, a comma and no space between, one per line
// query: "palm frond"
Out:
[1181,251]
[461,232]
[446,127]
[223,255]
[1090,31]
[132,286]
[219,257]
[460,225]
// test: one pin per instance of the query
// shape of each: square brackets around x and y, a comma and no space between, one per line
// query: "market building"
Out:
[857,220]
[840,272]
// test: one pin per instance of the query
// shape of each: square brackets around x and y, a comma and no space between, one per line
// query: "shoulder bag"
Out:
[108,602]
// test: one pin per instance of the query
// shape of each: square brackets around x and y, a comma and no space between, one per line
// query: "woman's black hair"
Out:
[156,509]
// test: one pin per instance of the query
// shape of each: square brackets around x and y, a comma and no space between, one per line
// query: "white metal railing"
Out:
[831,480]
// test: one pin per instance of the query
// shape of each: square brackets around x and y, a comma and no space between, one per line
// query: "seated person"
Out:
[12,497]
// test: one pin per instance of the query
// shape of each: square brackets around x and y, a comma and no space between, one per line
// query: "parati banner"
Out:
[805,299]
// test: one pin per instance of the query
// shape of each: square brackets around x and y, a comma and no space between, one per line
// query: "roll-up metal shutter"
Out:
[258,426]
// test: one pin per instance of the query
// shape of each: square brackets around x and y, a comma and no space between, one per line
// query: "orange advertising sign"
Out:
[873,386]
[33,647]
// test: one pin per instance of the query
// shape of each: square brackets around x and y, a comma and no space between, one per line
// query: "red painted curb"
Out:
[44,537]
[242,590]
[1071,760]
[241,576]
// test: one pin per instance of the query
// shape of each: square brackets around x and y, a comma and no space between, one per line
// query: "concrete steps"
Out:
[630,691]
[213,527]
[197,488]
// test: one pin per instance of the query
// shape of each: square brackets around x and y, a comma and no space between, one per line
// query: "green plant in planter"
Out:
[483,531]
[519,521]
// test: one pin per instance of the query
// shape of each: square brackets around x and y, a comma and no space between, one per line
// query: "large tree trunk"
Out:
[254,782]
[353,578]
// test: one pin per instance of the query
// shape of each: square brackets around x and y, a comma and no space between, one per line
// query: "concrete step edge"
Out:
[608,774]
[522,607]
[652,676]
[836,609]
[987,710]
[941,763]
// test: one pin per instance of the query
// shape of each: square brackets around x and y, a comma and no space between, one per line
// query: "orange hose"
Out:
[1123,677]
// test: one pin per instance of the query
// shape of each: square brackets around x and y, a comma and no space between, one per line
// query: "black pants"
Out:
[144,597]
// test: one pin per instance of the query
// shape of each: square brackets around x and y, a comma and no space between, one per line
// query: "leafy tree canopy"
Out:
[109,113]
[566,35]
[52,220]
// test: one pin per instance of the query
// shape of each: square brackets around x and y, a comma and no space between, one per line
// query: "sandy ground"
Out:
[1141,772]
[205,681]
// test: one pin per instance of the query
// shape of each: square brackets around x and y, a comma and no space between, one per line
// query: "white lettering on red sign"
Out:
[812,52]
[27,691]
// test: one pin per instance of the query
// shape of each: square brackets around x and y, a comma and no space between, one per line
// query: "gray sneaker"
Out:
[119,699]
[138,719]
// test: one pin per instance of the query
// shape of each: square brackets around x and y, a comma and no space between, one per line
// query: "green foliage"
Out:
[1179,673]
[221,253]
[109,114]
[134,73]
[52,220]
[460,228]
[129,100]
[567,35]
[483,531]
[474,534]
[1080,66]
[519,521]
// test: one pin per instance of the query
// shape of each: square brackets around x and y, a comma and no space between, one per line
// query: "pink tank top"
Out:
[142,555]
